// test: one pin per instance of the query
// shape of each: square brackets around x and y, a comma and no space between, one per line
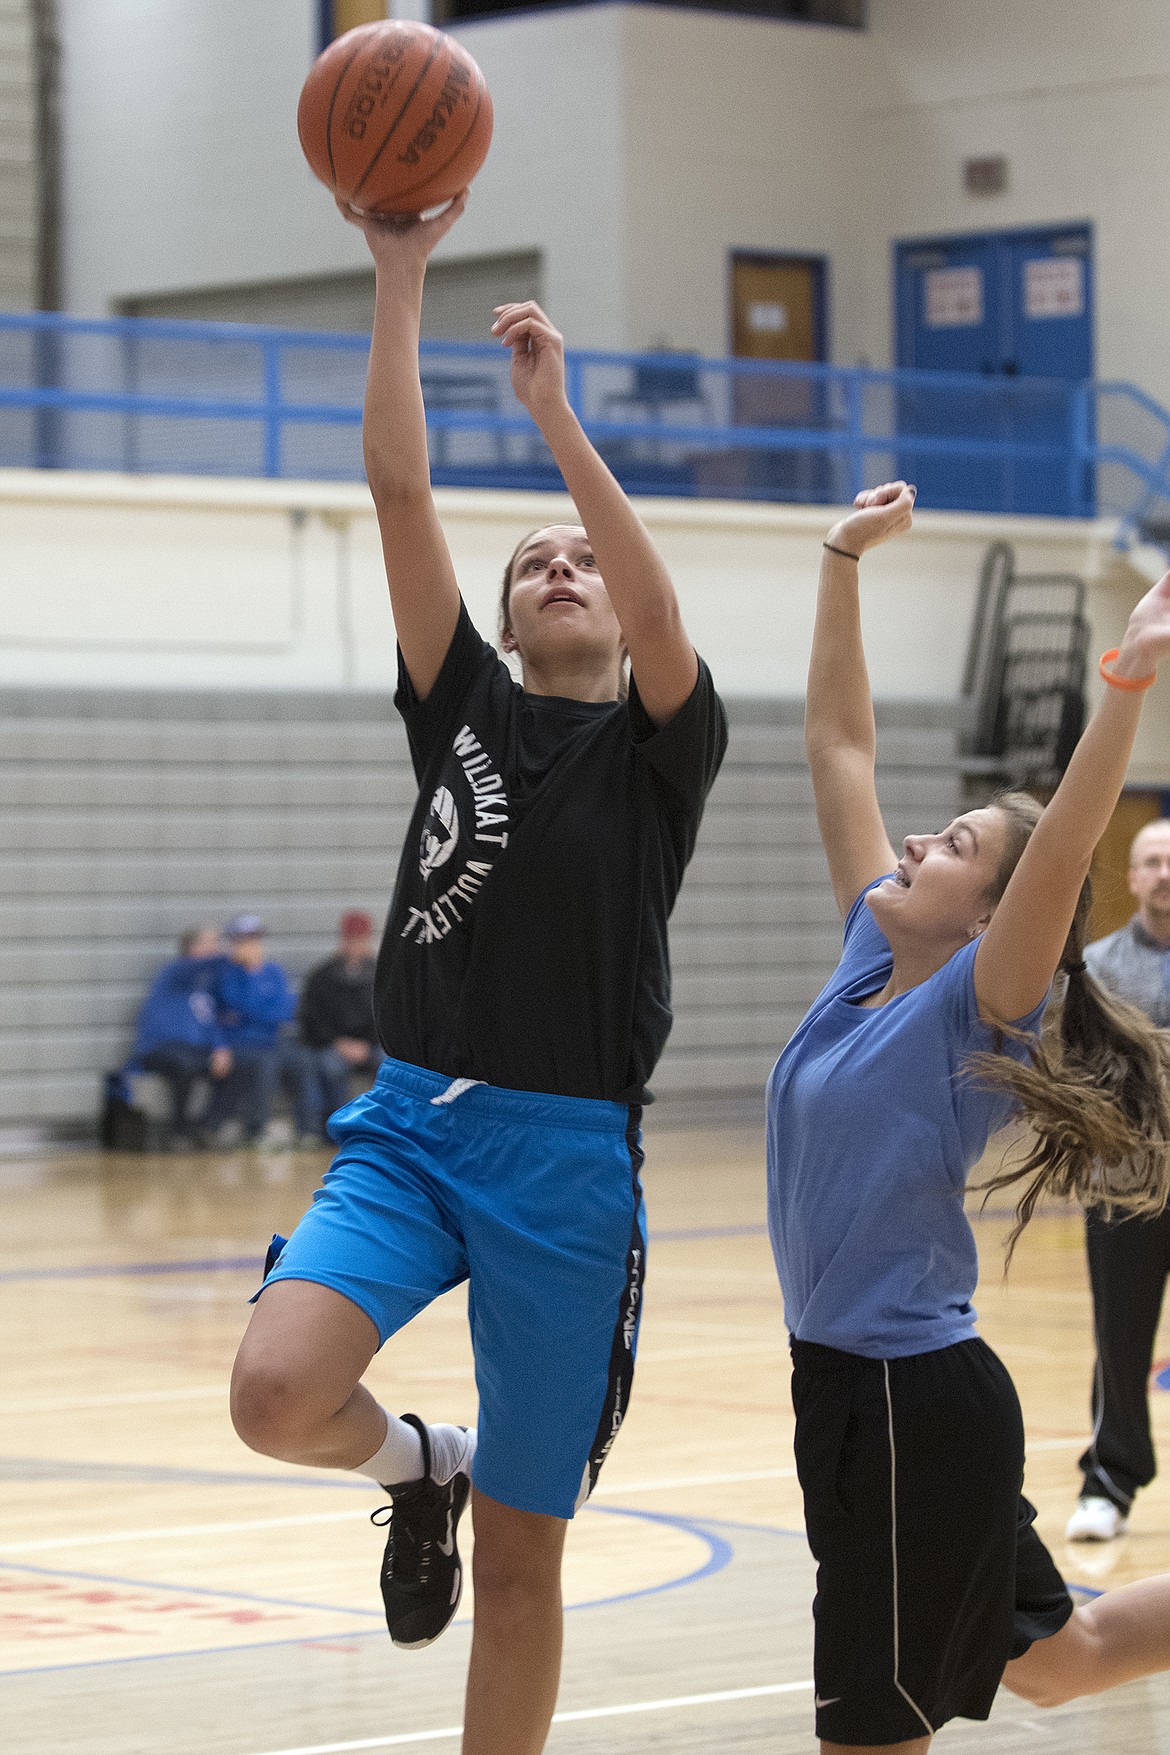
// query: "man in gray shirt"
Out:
[1129,1259]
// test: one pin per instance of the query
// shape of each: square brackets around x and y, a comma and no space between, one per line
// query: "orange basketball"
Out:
[395,117]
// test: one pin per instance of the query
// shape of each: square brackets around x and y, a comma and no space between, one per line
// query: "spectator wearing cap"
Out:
[178,1034]
[253,1000]
[336,1016]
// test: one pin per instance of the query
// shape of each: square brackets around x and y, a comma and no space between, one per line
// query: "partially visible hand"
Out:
[219,1064]
[538,356]
[1147,635]
[878,514]
[403,240]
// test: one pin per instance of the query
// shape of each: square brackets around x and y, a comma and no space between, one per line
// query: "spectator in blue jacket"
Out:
[178,1035]
[253,999]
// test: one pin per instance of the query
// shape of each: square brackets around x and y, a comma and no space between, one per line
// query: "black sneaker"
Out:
[422,1574]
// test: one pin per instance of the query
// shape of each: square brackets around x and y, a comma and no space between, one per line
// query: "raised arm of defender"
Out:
[839,729]
[1021,949]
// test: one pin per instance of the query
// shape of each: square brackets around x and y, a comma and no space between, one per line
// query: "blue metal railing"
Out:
[145,395]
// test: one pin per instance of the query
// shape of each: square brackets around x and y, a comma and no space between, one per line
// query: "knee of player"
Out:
[1044,1692]
[1063,1668]
[511,1585]
[266,1406]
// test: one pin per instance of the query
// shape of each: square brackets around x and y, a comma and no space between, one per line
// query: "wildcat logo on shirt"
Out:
[487,807]
[440,834]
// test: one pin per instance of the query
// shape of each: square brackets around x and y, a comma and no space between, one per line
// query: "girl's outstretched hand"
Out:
[1147,636]
[403,240]
[878,514]
[538,356]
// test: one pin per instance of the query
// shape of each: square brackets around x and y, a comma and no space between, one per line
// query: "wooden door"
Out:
[777,307]
[1112,903]
[342,15]
[776,314]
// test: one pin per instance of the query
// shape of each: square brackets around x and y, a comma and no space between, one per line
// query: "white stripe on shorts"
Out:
[913,1704]
[456,1089]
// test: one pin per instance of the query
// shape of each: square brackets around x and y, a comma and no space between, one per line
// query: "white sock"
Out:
[452,1448]
[399,1458]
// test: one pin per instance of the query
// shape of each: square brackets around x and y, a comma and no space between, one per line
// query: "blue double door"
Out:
[1013,310]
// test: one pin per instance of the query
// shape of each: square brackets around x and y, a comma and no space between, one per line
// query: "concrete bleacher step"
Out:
[127,816]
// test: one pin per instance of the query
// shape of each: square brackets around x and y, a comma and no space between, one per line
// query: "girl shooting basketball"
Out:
[522,995]
[932,1585]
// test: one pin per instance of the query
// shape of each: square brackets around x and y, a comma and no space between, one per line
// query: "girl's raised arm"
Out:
[424,594]
[636,580]
[1021,948]
[839,731]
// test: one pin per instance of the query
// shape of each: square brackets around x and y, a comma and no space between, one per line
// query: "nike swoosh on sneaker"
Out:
[448,1545]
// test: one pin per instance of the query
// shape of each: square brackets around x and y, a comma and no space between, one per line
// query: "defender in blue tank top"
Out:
[932,1585]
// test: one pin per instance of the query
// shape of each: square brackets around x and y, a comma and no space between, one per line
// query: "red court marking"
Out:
[141,1613]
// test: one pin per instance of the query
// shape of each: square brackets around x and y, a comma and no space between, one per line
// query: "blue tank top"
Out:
[873,1127]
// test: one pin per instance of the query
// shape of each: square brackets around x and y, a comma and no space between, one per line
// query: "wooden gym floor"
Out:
[165,1592]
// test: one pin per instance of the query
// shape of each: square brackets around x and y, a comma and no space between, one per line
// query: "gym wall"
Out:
[196,718]
[635,146]
[20,180]
[128,815]
[189,582]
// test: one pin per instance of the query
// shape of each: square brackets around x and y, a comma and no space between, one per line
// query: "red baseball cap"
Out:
[355,923]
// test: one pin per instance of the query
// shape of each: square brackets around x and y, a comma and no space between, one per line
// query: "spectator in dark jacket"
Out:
[178,1034]
[336,1016]
[252,1000]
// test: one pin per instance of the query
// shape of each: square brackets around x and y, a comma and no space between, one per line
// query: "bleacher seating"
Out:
[125,817]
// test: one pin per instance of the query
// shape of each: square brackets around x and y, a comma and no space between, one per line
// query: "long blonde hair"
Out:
[1095,1088]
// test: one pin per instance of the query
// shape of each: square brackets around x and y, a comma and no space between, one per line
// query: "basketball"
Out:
[395,117]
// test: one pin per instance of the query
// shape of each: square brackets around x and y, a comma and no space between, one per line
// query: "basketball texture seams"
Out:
[403,110]
[395,117]
[328,132]
[439,173]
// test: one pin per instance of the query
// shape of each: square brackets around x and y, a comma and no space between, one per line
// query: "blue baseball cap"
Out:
[245,926]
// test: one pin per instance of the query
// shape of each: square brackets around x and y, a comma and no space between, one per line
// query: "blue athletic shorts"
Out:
[537,1201]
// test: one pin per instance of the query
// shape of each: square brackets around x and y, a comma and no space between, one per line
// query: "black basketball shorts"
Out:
[930,1575]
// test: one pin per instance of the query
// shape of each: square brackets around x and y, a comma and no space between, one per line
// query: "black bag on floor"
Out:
[123,1128]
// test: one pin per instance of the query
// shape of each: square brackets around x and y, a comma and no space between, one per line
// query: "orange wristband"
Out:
[1133,685]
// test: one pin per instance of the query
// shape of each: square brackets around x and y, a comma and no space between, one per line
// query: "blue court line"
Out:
[238,1264]
[719,1554]
[186,1590]
[771,1529]
[215,1264]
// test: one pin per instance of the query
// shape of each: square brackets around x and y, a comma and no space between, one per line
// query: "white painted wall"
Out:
[19,192]
[635,146]
[742,133]
[155,582]
[183,168]
[1074,92]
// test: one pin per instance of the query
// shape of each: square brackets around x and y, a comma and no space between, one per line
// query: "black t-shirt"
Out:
[526,943]
[338,1000]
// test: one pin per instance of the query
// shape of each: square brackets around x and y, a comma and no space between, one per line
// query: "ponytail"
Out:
[1095,1090]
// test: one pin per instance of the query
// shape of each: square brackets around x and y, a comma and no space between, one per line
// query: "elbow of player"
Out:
[653,624]
[826,743]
